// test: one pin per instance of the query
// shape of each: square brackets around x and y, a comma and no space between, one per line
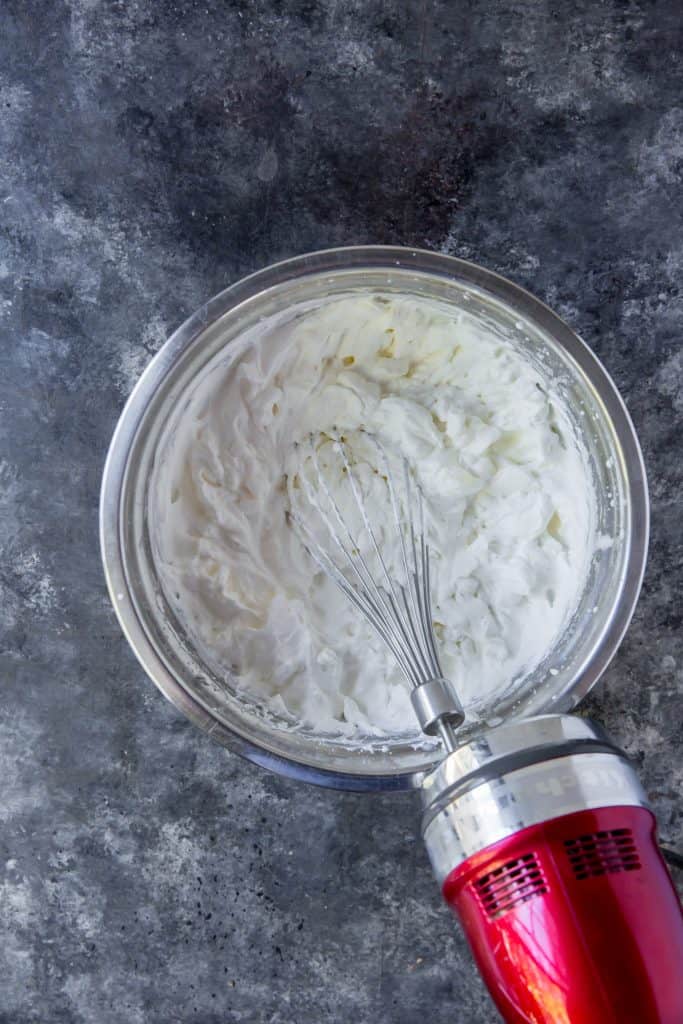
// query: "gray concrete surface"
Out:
[150,153]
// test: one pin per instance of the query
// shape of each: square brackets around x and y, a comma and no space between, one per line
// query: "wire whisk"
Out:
[388,583]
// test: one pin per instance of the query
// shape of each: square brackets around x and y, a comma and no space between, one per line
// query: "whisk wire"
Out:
[418,574]
[361,601]
[381,606]
[403,625]
[411,575]
[400,612]
[379,611]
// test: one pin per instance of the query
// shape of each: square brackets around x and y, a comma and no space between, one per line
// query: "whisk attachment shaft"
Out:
[437,710]
[349,551]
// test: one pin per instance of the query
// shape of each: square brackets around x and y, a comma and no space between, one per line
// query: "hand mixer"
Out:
[538,830]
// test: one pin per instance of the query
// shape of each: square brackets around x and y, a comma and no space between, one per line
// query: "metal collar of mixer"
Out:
[517,775]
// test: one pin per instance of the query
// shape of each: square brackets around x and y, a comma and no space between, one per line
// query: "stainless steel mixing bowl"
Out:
[598,415]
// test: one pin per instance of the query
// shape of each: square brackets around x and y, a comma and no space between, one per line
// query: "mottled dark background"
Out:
[151,153]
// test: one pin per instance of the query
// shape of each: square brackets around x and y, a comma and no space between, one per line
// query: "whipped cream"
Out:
[505,482]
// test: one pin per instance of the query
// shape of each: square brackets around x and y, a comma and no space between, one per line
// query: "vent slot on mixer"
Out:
[602,853]
[515,882]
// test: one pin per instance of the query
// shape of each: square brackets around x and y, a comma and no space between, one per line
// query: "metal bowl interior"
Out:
[598,416]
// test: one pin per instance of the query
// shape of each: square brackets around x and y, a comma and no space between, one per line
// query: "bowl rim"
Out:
[371,257]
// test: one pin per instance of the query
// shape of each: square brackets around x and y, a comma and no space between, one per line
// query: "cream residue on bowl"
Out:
[507,487]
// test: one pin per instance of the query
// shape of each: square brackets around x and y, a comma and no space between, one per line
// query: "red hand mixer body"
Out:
[541,837]
[538,830]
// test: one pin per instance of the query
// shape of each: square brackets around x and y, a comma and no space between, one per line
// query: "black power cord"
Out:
[672,857]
